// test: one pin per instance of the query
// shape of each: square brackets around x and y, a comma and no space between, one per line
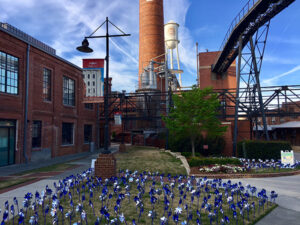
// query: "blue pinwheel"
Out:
[12,211]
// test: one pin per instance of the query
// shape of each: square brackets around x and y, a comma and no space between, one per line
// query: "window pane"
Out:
[9,67]
[68,91]
[47,85]
[88,105]
[36,134]
[88,129]
[67,133]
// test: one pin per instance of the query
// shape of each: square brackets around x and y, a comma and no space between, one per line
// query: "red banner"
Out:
[92,63]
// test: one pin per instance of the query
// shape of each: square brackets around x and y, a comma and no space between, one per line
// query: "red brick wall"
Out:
[53,113]
[217,81]
[105,166]
[243,130]
[227,151]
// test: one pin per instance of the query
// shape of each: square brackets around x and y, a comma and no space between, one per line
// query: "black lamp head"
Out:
[84,47]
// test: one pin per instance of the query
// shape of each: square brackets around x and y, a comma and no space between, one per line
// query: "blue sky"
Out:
[63,23]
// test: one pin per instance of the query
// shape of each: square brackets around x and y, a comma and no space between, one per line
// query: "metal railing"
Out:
[23,36]
[244,11]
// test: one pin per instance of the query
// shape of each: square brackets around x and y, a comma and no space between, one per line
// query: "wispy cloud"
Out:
[281,60]
[272,81]
[63,23]
[285,40]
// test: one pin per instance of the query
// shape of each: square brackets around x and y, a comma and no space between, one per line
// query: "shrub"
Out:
[215,146]
[183,144]
[196,161]
[262,149]
[189,154]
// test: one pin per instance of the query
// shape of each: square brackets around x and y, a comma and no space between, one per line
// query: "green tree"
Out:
[195,113]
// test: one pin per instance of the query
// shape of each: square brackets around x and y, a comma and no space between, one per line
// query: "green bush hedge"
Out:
[195,161]
[262,149]
[183,144]
[189,154]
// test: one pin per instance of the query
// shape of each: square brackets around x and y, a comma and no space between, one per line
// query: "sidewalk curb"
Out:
[178,155]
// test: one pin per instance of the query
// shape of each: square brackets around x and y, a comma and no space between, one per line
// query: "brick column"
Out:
[106,166]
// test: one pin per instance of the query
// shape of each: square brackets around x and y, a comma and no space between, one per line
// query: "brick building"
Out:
[93,70]
[41,110]
[207,78]
[285,128]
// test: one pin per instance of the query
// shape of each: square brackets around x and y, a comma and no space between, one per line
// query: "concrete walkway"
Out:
[288,189]
[83,160]
[19,168]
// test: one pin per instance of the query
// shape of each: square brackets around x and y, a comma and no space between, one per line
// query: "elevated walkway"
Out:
[253,15]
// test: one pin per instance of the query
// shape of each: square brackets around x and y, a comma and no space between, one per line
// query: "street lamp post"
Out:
[105,165]
[85,48]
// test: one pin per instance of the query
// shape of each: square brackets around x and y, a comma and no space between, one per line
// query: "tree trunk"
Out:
[193,147]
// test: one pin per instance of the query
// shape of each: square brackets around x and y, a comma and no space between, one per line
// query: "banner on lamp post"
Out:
[118,118]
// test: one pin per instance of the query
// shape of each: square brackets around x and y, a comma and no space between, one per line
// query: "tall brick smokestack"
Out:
[151,42]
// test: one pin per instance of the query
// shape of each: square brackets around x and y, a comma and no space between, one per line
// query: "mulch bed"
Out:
[195,172]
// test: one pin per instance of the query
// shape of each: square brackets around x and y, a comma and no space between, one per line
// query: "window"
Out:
[94,90]
[47,85]
[36,134]
[9,67]
[93,83]
[88,105]
[88,76]
[88,83]
[68,91]
[94,76]
[67,134]
[88,130]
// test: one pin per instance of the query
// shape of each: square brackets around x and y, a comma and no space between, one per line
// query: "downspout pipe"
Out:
[26,106]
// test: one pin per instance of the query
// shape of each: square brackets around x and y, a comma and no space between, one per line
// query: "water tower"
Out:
[171,43]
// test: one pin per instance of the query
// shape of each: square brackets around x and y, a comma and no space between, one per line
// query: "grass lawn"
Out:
[271,170]
[13,181]
[142,159]
[55,167]
[131,211]
[149,159]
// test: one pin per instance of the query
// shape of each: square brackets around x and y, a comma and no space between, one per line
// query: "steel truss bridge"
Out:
[278,101]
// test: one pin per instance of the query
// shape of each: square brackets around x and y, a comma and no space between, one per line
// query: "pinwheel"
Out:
[69,216]
[16,203]
[274,195]
[175,218]
[5,216]
[84,217]
[152,215]
[162,194]
[253,206]
[12,211]
[79,209]
[141,211]
[133,222]
[21,217]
